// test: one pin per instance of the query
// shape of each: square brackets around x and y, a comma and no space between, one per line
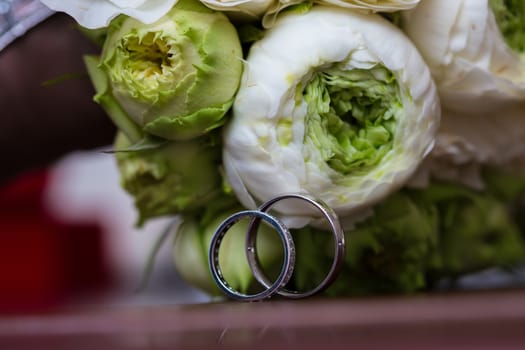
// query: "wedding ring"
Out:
[339,246]
[288,263]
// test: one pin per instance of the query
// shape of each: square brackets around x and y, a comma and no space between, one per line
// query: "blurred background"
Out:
[67,233]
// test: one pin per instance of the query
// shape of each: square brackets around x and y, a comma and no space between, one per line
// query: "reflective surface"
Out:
[481,320]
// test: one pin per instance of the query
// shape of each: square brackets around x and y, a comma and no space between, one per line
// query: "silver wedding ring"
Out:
[277,287]
[339,246]
[288,263]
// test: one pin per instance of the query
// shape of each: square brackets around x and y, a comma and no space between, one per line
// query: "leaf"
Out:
[64,77]
[149,142]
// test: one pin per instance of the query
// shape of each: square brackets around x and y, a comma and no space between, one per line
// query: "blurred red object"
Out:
[45,262]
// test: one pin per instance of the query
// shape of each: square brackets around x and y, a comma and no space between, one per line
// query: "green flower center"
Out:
[151,54]
[510,17]
[146,65]
[351,116]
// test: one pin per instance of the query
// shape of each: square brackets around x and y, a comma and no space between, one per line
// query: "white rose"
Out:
[472,48]
[333,103]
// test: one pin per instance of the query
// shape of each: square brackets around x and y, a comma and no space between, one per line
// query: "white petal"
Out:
[94,14]
[373,5]
[128,3]
[251,8]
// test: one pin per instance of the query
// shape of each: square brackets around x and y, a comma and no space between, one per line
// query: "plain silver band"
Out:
[288,263]
[339,246]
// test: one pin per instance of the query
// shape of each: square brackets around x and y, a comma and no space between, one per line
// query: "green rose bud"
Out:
[175,78]
[175,177]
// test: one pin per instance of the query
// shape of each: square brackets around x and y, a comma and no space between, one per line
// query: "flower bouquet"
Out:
[406,117]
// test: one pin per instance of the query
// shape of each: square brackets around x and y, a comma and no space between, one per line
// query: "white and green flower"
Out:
[175,78]
[476,52]
[474,48]
[345,116]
